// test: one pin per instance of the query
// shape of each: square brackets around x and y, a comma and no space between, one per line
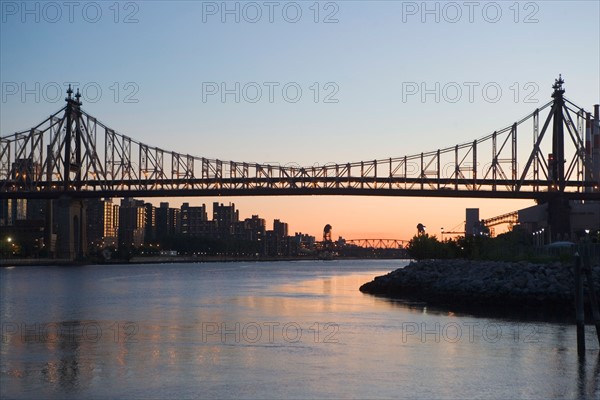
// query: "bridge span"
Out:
[72,153]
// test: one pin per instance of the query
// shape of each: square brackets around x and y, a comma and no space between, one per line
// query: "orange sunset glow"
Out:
[362,217]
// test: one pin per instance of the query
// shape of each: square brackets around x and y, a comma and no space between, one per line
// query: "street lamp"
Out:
[587,235]
[11,245]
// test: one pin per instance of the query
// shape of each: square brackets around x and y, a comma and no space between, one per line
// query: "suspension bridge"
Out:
[551,155]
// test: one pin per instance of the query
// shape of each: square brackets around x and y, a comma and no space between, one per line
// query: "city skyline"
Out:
[387,97]
[329,210]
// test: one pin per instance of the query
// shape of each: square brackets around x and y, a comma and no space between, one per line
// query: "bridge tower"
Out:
[593,144]
[559,215]
[71,213]
[556,160]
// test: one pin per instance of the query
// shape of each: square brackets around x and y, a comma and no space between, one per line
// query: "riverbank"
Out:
[136,260]
[543,291]
[21,262]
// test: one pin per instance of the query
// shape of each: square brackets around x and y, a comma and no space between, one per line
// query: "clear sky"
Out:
[318,82]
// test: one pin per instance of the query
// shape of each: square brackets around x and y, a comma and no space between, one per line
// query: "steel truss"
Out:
[378,243]
[73,153]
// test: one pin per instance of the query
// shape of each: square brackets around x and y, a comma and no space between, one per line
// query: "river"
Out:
[266,330]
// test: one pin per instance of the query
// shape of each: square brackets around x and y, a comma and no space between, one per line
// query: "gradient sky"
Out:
[151,61]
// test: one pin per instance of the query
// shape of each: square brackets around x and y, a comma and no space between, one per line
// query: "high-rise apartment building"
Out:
[194,221]
[132,223]
[102,223]
[225,219]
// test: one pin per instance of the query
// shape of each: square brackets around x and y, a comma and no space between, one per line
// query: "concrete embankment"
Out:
[485,285]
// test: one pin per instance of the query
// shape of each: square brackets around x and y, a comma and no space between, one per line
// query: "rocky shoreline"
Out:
[543,290]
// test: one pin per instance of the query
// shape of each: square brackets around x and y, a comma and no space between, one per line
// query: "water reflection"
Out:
[588,384]
[52,356]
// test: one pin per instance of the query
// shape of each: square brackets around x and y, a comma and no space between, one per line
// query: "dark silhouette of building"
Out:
[102,223]
[150,232]
[280,228]
[277,241]
[132,223]
[21,219]
[225,219]
[254,229]
[194,221]
[168,220]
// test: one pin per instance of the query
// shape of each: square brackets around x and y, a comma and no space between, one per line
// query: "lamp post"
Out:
[11,246]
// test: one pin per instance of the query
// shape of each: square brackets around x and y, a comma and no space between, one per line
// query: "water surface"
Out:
[266,330]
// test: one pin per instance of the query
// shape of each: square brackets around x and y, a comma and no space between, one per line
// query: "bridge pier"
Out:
[595,145]
[71,219]
[559,218]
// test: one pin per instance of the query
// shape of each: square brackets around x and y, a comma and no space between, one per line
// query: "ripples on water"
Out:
[266,330]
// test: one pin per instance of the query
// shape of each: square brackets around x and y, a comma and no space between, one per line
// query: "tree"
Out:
[424,246]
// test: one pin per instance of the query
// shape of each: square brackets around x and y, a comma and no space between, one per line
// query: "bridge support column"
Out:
[595,144]
[559,218]
[72,240]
